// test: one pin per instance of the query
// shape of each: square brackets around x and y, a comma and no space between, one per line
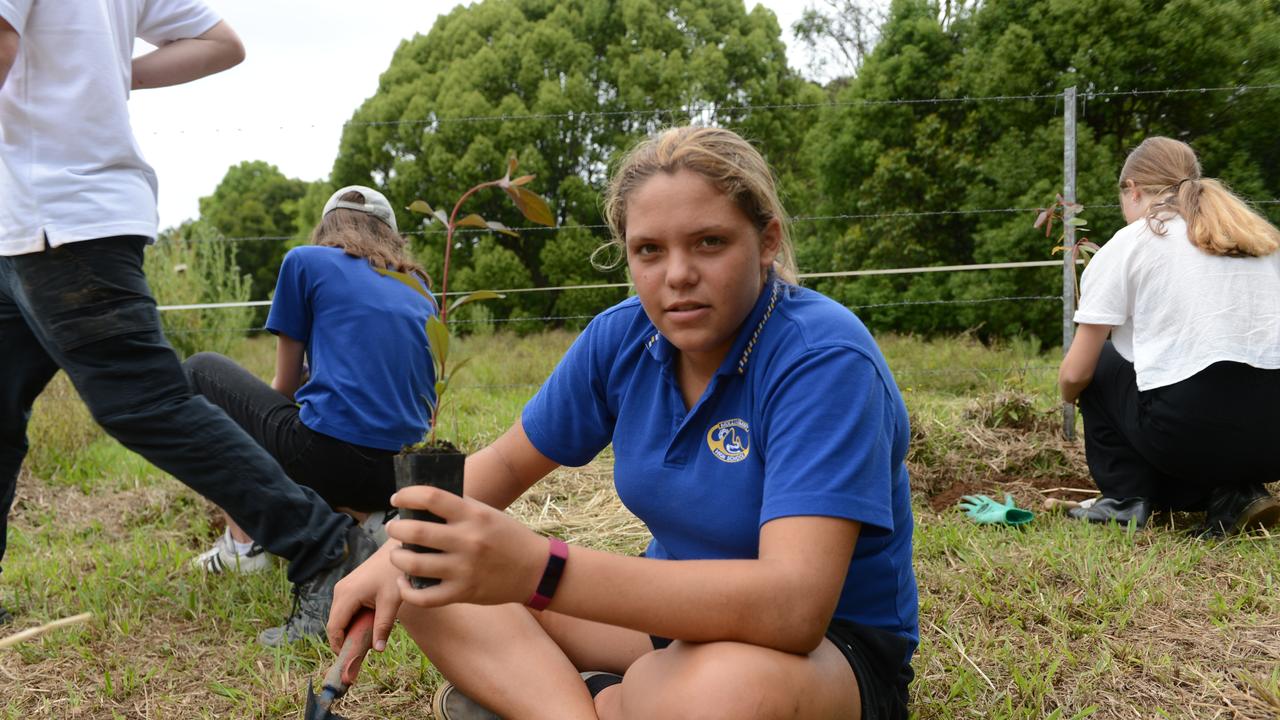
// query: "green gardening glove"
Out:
[986,511]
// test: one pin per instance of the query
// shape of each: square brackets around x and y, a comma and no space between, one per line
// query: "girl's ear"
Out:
[770,243]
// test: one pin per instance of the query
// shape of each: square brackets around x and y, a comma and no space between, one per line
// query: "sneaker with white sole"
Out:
[223,558]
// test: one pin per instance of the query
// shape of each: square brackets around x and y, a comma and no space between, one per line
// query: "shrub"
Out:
[193,266]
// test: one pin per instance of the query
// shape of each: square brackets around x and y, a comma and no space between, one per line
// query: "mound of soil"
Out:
[1003,444]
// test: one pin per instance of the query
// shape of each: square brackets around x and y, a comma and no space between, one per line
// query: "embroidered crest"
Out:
[730,440]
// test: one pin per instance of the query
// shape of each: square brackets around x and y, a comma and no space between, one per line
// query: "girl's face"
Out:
[698,262]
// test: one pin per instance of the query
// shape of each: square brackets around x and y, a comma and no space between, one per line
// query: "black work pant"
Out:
[1175,444]
[86,308]
[344,474]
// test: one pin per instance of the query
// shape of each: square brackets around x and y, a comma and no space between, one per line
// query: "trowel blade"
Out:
[314,711]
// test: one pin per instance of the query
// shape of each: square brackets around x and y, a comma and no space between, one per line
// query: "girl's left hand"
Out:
[485,558]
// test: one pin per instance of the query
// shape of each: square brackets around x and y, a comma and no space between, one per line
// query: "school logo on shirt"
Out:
[730,440]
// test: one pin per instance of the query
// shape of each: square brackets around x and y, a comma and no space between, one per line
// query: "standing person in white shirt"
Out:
[1182,405]
[78,206]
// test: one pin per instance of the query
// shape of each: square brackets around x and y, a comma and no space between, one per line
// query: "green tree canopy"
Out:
[256,200]
[870,158]
[564,85]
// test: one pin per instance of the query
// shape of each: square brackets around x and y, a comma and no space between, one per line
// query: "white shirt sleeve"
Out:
[1106,290]
[15,13]
[163,21]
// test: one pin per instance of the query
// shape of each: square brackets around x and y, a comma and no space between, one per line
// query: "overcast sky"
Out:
[309,65]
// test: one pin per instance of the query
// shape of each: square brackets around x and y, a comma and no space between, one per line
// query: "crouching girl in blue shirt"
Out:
[757,432]
[334,423]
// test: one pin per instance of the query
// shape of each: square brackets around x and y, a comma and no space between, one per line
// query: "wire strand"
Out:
[794,219]
[550,318]
[712,109]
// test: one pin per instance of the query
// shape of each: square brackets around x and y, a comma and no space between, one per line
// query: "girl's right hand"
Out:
[371,585]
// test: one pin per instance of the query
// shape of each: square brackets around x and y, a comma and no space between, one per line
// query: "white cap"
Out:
[375,203]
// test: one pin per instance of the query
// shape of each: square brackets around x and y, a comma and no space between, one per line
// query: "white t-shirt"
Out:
[70,168]
[1177,309]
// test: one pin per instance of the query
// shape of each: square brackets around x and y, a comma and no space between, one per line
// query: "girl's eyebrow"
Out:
[705,230]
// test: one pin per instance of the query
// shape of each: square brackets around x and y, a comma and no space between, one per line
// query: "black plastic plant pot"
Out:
[436,467]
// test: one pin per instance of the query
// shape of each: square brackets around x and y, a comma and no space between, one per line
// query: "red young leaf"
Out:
[531,205]
[473,220]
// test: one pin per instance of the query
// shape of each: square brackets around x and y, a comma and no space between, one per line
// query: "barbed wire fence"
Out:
[1068,100]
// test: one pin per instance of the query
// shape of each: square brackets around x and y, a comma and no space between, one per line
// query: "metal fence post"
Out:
[1068,241]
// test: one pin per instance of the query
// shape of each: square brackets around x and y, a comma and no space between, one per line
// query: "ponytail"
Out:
[1218,221]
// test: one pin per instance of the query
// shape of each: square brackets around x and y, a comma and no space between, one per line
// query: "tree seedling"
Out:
[1083,249]
[532,206]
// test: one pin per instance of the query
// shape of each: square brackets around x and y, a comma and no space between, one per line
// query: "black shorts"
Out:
[879,661]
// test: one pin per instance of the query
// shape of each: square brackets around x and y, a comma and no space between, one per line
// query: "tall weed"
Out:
[191,267]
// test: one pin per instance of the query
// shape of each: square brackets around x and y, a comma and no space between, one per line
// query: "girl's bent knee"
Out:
[714,681]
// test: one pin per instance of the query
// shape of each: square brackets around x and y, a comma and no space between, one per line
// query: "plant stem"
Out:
[448,247]
[444,287]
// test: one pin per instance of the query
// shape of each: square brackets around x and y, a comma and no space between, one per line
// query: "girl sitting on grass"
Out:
[759,434]
[1182,404]
[334,423]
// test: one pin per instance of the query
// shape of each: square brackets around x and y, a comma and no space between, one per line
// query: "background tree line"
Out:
[569,84]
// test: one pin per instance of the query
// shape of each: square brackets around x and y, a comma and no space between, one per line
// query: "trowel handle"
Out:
[356,645]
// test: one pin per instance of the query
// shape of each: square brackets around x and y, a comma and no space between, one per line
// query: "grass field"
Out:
[1057,620]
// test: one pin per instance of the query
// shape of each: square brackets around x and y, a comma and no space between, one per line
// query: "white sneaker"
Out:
[223,558]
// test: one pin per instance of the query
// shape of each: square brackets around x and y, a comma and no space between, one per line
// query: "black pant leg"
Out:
[345,475]
[25,369]
[1109,406]
[92,311]
[270,418]
[1219,427]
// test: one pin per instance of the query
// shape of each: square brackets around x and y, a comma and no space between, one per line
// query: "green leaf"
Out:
[441,386]
[531,205]
[477,295]
[438,336]
[421,207]
[499,227]
[410,280]
[1077,222]
[473,220]
[443,217]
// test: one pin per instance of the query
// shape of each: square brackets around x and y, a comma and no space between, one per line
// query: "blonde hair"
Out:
[1218,222]
[728,162]
[362,235]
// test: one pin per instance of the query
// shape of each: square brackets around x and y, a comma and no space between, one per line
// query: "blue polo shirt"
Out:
[366,343]
[803,418]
